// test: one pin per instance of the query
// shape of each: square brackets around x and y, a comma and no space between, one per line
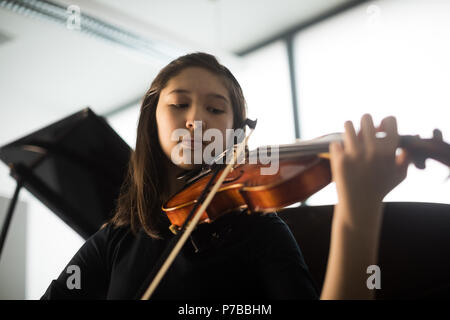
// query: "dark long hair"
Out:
[144,188]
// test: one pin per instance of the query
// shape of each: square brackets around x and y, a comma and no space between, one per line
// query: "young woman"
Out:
[238,255]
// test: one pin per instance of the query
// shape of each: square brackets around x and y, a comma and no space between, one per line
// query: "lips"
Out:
[192,143]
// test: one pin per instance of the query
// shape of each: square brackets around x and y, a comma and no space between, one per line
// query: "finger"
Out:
[368,132]
[351,143]
[403,160]
[335,148]
[389,125]
[336,152]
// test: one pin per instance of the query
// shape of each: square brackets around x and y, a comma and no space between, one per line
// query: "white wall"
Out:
[14,255]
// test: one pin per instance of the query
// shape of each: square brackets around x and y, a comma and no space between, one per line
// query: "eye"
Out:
[215,110]
[179,106]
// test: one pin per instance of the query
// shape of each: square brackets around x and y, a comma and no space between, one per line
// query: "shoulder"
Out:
[110,233]
[105,241]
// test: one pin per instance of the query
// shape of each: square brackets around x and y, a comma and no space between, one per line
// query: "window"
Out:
[383,58]
[265,81]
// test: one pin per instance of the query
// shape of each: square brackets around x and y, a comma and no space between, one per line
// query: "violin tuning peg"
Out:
[420,164]
[437,134]
[419,161]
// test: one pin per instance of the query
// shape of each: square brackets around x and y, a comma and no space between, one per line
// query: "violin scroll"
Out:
[421,149]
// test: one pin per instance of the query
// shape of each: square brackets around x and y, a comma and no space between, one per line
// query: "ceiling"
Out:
[230,25]
[49,72]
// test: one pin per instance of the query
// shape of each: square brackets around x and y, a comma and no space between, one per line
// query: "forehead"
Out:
[197,80]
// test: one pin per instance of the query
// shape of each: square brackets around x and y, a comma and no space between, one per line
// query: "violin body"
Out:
[245,188]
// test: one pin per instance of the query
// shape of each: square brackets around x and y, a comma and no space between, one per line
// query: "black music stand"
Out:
[74,166]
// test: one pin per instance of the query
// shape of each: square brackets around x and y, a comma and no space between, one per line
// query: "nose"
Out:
[194,119]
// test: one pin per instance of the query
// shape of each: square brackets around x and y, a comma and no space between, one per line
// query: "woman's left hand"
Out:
[366,168]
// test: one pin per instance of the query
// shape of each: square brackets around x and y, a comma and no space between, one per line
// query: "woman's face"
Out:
[195,94]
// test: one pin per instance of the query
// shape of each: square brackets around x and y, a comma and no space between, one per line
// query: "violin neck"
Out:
[311,147]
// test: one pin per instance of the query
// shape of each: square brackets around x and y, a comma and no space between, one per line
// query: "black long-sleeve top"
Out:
[239,256]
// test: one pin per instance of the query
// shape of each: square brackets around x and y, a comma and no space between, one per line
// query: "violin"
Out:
[304,168]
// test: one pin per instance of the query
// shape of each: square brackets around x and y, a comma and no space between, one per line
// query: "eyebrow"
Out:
[214,95]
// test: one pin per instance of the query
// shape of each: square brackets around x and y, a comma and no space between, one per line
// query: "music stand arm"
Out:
[9,214]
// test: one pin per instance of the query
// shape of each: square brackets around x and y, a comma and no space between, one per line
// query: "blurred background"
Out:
[306,66]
